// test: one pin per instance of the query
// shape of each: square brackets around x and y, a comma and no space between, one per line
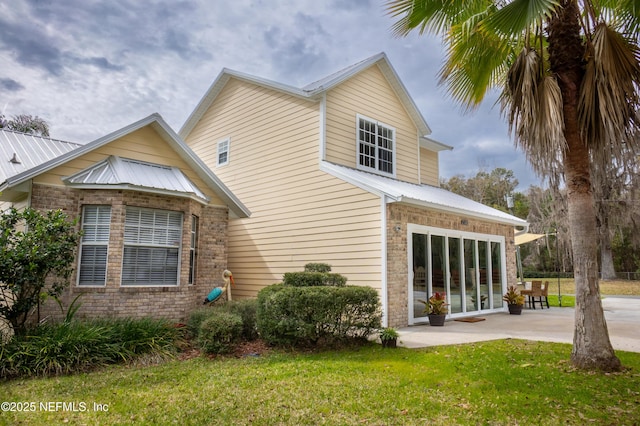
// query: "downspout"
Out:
[383,265]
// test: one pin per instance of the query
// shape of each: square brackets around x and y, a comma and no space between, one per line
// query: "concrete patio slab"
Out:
[549,325]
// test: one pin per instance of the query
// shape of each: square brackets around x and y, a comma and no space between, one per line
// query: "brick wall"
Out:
[398,216]
[113,300]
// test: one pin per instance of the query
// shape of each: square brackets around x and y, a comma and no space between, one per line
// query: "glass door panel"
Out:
[496,274]
[483,266]
[470,279]
[456,291]
[438,264]
[420,268]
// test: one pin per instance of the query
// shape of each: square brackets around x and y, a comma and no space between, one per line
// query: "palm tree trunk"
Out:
[591,345]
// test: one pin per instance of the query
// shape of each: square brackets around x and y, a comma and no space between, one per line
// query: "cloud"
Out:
[10,84]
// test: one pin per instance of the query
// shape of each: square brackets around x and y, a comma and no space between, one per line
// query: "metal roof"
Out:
[134,174]
[420,195]
[20,152]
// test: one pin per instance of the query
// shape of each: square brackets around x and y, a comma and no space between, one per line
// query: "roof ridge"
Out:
[315,85]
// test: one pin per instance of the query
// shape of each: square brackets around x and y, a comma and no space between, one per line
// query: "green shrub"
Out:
[54,349]
[219,332]
[246,309]
[303,316]
[317,267]
[313,279]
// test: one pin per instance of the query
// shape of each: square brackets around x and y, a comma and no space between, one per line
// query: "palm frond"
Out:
[433,16]
[609,98]
[518,15]
[532,104]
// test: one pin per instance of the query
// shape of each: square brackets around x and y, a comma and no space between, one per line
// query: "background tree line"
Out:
[617,194]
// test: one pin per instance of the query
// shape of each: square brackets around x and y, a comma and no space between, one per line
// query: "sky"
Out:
[89,68]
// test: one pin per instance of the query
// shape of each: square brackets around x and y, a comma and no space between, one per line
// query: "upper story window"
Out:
[376,146]
[223,152]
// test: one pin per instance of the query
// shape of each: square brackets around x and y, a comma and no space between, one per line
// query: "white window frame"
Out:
[377,148]
[146,239]
[224,147]
[96,235]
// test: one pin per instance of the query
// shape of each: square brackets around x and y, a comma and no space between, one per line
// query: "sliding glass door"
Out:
[468,267]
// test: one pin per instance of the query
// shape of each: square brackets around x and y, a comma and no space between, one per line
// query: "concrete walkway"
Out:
[549,325]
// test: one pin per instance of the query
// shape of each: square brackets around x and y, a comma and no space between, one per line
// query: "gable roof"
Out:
[156,122]
[127,173]
[315,90]
[420,195]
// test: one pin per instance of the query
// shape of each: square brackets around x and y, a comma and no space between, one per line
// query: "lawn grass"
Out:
[607,288]
[498,382]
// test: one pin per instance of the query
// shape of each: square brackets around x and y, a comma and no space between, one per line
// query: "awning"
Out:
[527,238]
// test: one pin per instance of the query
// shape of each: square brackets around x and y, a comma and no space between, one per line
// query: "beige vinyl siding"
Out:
[144,145]
[298,213]
[429,167]
[369,94]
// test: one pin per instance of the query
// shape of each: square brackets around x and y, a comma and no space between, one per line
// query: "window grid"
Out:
[223,152]
[375,146]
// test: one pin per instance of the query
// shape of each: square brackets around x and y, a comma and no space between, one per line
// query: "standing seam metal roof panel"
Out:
[30,151]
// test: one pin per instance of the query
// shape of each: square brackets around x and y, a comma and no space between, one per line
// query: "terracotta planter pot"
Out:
[515,309]
[437,320]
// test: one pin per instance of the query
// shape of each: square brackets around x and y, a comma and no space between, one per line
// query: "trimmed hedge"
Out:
[246,309]
[313,279]
[317,267]
[219,332]
[303,316]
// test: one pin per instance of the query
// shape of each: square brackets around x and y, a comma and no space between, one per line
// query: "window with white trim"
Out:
[94,245]
[376,146]
[152,240]
[223,152]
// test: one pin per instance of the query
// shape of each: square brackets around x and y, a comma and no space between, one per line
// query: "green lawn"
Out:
[499,382]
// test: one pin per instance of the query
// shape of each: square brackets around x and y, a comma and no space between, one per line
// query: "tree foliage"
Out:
[36,257]
[26,124]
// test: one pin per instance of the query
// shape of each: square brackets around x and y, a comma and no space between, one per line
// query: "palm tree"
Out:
[568,73]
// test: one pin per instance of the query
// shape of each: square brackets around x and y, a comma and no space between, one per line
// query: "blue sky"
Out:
[89,68]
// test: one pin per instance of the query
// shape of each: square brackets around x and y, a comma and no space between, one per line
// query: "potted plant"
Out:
[436,308]
[515,301]
[389,337]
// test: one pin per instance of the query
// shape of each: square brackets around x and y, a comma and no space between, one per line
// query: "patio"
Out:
[550,325]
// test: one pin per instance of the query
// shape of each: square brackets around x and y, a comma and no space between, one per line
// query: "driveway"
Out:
[549,325]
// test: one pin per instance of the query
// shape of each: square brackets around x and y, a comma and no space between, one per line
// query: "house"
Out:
[343,171]
[154,217]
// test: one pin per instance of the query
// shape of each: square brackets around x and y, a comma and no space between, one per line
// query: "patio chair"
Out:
[545,294]
[534,295]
